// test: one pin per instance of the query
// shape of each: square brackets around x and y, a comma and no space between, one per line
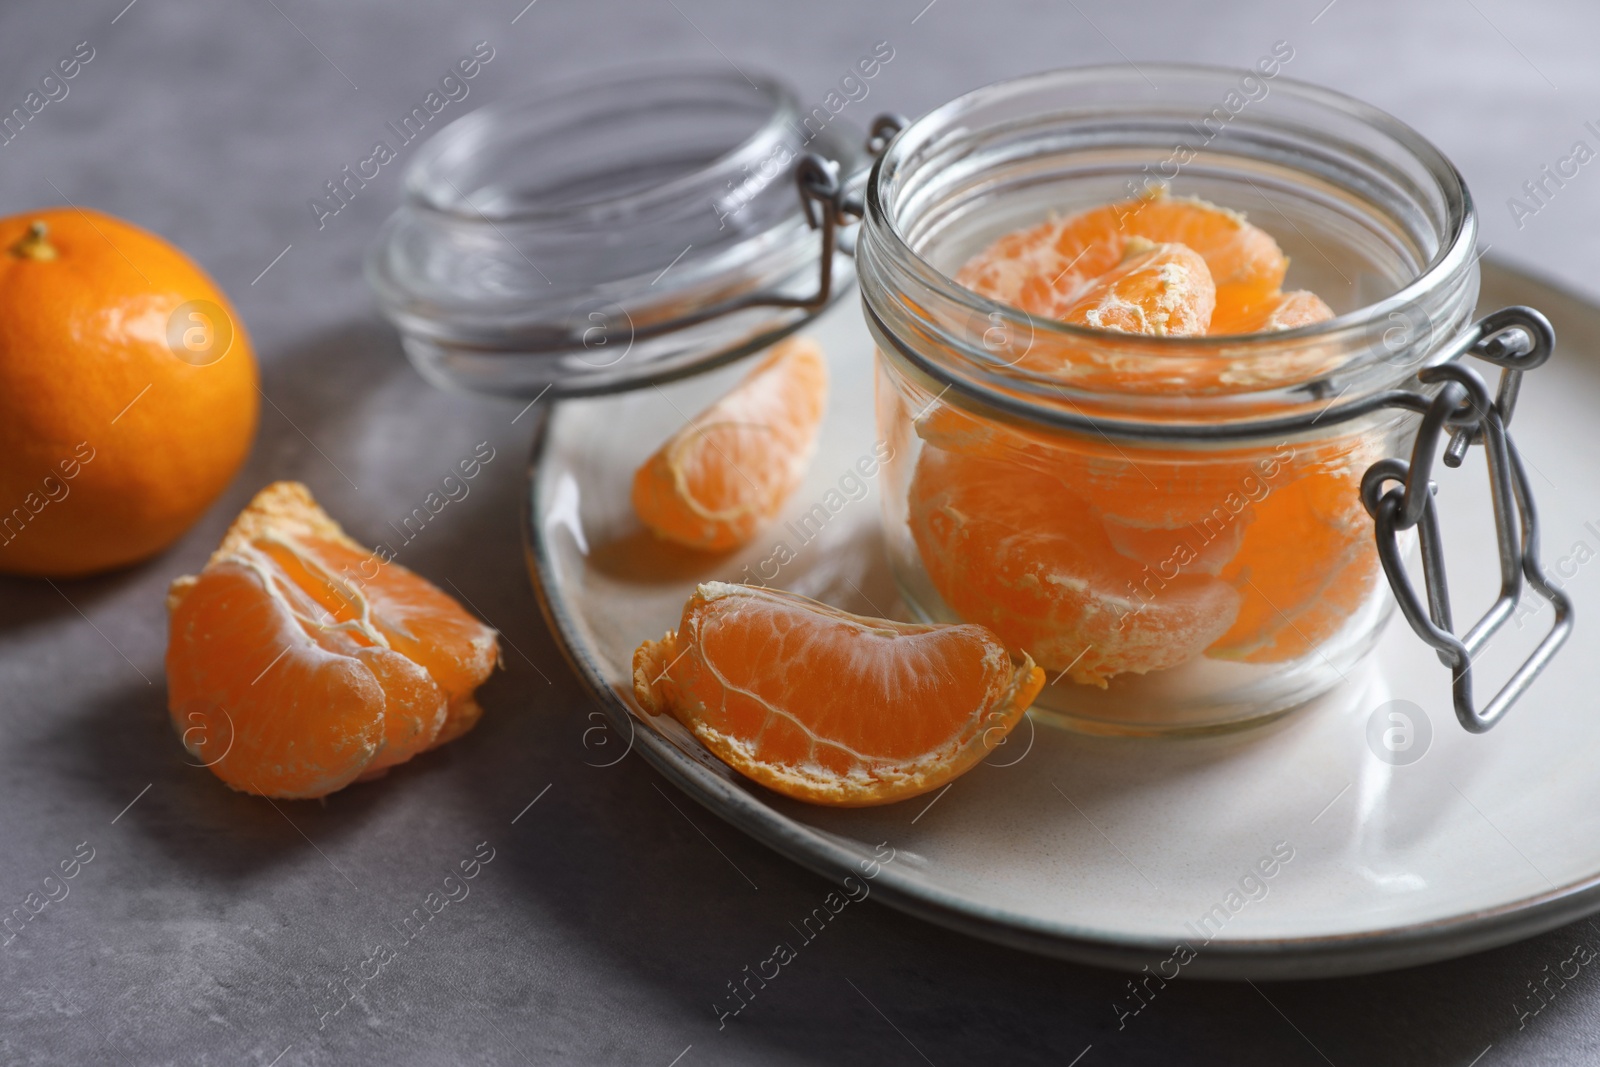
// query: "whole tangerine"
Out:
[128,395]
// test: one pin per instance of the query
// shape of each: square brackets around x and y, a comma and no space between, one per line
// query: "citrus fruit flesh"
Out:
[128,393]
[1305,565]
[1283,527]
[1102,558]
[1161,290]
[298,661]
[828,707]
[1277,311]
[722,477]
[1015,550]
[1044,270]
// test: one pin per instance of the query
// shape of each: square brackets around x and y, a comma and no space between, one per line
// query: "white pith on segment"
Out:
[874,672]
[253,558]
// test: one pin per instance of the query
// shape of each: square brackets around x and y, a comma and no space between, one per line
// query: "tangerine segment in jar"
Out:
[1015,550]
[1306,565]
[1285,528]
[1135,486]
[1123,281]
[298,661]
[1161,290]
[1156,291]
[1044,270]
[1277,311]
[1104,559]
[828,707]
[722,477]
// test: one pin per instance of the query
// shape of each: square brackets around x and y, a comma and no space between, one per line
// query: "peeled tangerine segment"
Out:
[1015,550]
[1284,527]
[298,661]
[828,707]
[1101,558]
[716,482]
[1141,490]
[1273,312]
[1306,564]
[1159,290]
[1045,270]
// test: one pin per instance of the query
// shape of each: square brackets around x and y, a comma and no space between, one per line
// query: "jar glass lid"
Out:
[611,232]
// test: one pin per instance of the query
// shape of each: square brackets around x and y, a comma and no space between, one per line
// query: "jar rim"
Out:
[666,195]
[594,91]
[1452,255]
[1026,136]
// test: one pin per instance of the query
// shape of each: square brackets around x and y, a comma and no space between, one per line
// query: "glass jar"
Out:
[1169,526]
[613,232]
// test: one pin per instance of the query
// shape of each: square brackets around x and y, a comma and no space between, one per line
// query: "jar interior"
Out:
[608,233]
[1160,588]
[1349,250]
[1162,523]
[618,176]
[1372,219]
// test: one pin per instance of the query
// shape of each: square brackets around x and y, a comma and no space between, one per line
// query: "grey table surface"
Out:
[209,925]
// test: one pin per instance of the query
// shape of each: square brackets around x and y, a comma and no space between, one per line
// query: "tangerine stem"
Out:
[35,244]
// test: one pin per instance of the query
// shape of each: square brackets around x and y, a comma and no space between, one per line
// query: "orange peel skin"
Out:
[129,392]
[828,707]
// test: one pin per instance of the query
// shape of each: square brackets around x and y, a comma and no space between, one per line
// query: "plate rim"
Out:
[1278,958]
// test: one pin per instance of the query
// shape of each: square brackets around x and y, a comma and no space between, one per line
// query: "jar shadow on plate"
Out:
[640,557]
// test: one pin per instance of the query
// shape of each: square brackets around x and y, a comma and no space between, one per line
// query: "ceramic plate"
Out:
[1303,848]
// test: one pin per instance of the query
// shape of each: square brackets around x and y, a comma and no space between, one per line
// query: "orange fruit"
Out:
[829,707]
[1044,270]
[1116,558]
[1277,311]
[1138,487]
[726,474]
[1306,564]
[1017,551]
[1283,527]
[127,393]
[1161,290]
[299,661]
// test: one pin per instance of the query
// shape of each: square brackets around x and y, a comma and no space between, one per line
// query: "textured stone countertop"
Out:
[208,924]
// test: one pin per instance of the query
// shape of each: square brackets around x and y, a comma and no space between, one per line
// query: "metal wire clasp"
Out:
[829,208]
[1516,339]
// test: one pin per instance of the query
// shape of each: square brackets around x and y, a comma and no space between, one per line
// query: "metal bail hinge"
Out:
[829,208]
[1516,339]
